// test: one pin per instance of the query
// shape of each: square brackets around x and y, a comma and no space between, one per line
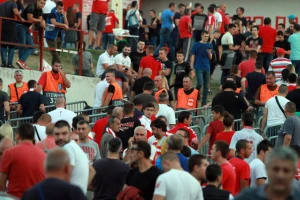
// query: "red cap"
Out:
[280,51]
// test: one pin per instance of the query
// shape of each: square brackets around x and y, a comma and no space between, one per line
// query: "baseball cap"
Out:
[280,51]
[291,16]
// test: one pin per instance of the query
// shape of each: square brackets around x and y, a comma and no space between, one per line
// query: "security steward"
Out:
[17,89]
[188,97]
[113,94]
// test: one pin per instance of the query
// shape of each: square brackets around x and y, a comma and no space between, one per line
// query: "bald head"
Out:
[5,143]
[118,112]
[60,102]
[44,120]
[147,72]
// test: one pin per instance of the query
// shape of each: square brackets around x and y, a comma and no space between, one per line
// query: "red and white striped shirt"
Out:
[277,65]
[146,122]
[210,21]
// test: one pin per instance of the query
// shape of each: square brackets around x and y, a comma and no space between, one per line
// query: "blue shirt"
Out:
[166,19]
[182,159]
[294,40]
[201,55]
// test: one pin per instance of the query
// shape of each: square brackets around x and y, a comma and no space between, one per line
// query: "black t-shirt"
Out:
[232,102]
[128,125]
[167,65]
[137,114]
[20,6]
[283,44]
[237,80]
[238,39]
[6,9]
[253,43]
[177,15]
[294,96]
[32,9]
[52,188]
[198,21]
[153,32]
[142,30]
[243,19]
[139,84]
[255,80]
[30,102]
[111,89]
[180,71]
[3,98]
[109,179]
[146,98]
[144,181]
[136,59]
[78,15]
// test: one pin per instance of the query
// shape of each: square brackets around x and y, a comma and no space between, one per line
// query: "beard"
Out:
[61,143]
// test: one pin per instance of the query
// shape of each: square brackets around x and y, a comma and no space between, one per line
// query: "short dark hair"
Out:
[204,32]
[230,26]
[229,84]
[149,86]
[297,27]
[59,3]
[280,33]
[197,5]
[152,11]
[61,124]
[241,9]
[255,26]
[270,73]
[213,5]
[110,109]
[36,116]
[290,107]
[133,4]
[183,115]
[267,21]
[158,123]
[248,119]
[298,81]
[171,4]
[281,24]
[211,9]
[218,109]
[241,144]
[144,147]
[187,11]
[128,108]
[31,84]
[258,64]
[112,71]
[181,5]
[54,59]
[195,160]
[150,105]
[82,122]
[253,54]
[25,131]
[263,145]
[111,120]
[212,172]
[75,121]
[114,145]
[223,147]
[228,119]
[292,78]
[180,52]
[137,101]
[186,132]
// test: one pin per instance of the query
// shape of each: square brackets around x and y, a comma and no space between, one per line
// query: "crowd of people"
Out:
[145,146]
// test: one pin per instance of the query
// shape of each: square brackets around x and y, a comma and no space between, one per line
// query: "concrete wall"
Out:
[267,8]
[82,88]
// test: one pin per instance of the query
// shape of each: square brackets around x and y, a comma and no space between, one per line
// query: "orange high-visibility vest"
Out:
[117,98]
[53,88]
[187,101]
[238,90]
[266,94]
[17,92]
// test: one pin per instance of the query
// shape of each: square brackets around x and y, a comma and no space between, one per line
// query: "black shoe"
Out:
[3,65]
[10,66]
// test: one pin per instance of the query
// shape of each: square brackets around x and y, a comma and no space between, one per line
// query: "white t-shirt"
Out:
[178,185]
[100,89]
[145,122]
[246,134]
[49,5]
[153,151]
[80,163]
[275,115]
[104,59]
[62,114]
[218,17]
[168,112]
[41,131]
[121,60]
[258,170]
[227,39]
[130,12]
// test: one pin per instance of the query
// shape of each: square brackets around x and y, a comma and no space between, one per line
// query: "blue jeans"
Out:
[7,52]
[153,40]
[24,37]
[166,38]
[107,39]
[265,58]
[69,45]
[296,64]
[203,76]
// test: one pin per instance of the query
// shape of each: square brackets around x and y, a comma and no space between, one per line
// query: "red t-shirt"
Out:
[242,172]
[228,177]
[100,6]
[183,27]
[193,135]
[225,136]
[248,66]
[110,22]
[292,87]
[214,128]
[224,21]
[150,62]
[99,128]
[24,166]
[268,34]
[43,79]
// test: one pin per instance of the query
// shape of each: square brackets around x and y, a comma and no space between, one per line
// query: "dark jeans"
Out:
[186,48]
[203,76]
[265,58]
[225,72]
[165,37]
[107,39]
[153,41]
[132,41]
[7,54]
[24,37]
[57,44]
[296,64]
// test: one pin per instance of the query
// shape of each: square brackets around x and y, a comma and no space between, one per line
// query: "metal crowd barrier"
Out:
[272,140]
[271,131]
[14,123]
[204,149]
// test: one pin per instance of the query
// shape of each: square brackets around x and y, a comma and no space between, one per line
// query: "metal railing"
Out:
[40,46]
[271,131]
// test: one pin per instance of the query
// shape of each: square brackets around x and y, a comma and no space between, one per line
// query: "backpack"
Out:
[132,20]
[130,193]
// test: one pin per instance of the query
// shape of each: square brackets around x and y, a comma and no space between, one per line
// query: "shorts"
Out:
[97,22]
[219,41]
